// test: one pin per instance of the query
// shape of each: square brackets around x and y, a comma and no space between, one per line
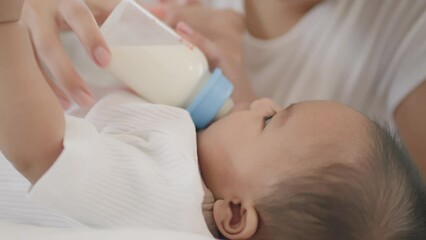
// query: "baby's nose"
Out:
[240,107]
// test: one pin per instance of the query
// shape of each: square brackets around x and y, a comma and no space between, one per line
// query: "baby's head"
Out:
[315,170]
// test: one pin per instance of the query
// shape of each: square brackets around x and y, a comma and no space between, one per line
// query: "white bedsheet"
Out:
[11,231]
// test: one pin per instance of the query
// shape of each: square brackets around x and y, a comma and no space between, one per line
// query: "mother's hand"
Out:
[218,33]
[45,19]
[223,27]
[219,57]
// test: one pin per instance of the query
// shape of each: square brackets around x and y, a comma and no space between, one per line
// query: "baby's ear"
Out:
[235,220]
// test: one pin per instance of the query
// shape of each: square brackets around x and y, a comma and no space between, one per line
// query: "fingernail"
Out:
[185,28]
[102,56]
[82,98]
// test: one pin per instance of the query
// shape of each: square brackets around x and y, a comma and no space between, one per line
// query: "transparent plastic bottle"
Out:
[155,62]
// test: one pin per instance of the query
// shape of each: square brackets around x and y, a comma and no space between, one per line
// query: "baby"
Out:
[315,170]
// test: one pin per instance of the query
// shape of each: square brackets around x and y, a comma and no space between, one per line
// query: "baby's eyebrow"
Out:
[285,114]
[289,107]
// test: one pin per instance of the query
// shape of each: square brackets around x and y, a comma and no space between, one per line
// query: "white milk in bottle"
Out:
[166,74]
[152,60]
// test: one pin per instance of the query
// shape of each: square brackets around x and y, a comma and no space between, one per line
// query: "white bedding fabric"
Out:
[10,231]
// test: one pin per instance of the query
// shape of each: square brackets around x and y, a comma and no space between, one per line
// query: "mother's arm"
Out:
[410,118]
[31,118]
[10,10]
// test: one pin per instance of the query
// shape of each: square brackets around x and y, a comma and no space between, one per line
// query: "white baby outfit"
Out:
[128,163]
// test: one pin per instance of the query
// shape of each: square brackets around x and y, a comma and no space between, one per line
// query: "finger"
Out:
[52,53]
[158,11]
[62,97]
[101,9]
[180,2]
[210,49]
[195,16]
[80,19]
[169,14]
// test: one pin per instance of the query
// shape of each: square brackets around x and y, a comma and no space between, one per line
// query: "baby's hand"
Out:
[45,19]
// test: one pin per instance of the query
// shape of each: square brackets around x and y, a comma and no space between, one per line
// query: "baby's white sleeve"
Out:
[125,166]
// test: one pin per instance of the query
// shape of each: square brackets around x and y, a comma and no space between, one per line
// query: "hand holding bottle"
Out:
[45,20]
[220,58]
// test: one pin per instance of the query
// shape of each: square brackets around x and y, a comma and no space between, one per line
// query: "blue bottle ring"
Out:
[207,104]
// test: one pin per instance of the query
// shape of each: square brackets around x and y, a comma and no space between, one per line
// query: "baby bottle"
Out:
[156,63]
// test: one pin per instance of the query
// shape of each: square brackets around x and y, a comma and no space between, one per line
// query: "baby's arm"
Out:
[31,119]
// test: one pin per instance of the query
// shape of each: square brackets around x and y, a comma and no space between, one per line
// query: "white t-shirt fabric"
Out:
[128,163]
[236,5]
[368,54]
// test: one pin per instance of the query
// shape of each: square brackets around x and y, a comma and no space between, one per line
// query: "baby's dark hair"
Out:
[384,198]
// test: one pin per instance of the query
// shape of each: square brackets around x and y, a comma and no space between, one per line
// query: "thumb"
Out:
[208,47]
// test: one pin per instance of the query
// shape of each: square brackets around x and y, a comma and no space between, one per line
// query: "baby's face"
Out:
[257,145]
